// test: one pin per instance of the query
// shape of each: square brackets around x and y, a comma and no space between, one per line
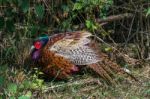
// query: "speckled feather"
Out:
[76,47]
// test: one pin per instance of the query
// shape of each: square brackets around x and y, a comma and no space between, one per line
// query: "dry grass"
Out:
[89,87]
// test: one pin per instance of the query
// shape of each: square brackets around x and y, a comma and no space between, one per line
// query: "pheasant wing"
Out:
[76,47]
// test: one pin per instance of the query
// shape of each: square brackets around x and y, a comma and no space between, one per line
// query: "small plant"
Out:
[18,84]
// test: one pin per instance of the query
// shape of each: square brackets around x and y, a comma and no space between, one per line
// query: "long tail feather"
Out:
[102,72]
[107,69]
[116,68]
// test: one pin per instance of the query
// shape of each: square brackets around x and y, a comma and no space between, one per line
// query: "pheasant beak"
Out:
[31,49]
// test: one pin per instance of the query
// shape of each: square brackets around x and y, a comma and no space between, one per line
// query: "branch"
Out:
[111,19]
[115,17]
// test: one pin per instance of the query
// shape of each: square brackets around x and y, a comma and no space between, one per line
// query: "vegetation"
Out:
[123,24]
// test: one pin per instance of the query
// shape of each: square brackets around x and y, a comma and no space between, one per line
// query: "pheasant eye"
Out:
[37,45]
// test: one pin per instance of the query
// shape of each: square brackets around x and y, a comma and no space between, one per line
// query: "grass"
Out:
[18,81]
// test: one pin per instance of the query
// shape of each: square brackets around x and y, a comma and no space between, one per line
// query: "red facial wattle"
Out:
[37,45]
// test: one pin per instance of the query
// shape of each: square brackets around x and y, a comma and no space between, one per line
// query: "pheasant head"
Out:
[38,44]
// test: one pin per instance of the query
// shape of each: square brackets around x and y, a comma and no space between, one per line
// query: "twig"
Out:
[80,82]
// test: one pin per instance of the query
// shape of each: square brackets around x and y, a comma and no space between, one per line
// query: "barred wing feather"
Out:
[76,48]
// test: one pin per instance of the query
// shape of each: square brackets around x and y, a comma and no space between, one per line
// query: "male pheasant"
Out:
[62,54]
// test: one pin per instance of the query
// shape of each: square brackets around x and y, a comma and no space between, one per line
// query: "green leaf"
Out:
[147,92]
[12,88]
[34,86]
[3,68]
[28,94]
[148,12]
[65,8]
[9,12]
[24,4]
[39,11]
[93,27]
[2,80]
[27,84]
[34,30]
[2,23]
[108,49]
[3,1]
[10,27]
[23,97]
[39,82]
[10,1]
[12,97]
[77,6]
[88,23]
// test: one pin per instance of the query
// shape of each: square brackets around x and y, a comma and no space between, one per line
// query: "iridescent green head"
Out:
[38,44]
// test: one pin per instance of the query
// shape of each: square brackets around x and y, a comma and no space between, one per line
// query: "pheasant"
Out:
[61,55]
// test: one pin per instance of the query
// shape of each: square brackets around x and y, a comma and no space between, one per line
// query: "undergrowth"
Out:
[23,20]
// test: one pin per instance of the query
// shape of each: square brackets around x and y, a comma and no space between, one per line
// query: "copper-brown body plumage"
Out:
[64,52]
